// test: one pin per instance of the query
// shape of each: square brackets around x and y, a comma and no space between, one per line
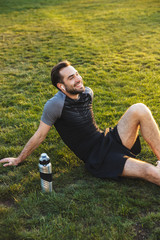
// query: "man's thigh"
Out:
[135,168]
[128,128]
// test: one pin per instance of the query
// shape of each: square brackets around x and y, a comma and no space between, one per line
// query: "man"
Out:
[108,154]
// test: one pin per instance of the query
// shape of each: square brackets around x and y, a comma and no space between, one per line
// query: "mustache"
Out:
[77,83]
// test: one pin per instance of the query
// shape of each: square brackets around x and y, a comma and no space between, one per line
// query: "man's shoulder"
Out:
[89,91]
[53,109]
[57,99]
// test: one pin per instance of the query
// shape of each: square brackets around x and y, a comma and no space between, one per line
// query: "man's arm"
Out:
[31,145]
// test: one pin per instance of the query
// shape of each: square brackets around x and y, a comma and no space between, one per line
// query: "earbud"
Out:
[63,88]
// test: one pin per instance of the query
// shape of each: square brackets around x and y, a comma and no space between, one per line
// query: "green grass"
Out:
[115,46]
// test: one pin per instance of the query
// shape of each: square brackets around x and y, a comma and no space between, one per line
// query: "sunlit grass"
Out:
[115,47]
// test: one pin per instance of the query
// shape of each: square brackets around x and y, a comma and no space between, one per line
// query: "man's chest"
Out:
[77,112]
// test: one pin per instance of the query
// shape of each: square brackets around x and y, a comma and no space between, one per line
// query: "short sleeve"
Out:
[53,109]
[89,91]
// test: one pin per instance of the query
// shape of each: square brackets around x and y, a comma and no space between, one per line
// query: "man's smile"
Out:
[79,85]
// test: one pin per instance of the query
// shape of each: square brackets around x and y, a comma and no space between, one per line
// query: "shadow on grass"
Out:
[79,206]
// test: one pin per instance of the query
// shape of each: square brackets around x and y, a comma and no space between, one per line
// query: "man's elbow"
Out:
[40,137]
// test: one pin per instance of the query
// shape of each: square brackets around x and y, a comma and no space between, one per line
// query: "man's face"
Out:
[72,81]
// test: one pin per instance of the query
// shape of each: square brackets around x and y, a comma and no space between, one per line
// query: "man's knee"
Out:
[139,110]
[149,171]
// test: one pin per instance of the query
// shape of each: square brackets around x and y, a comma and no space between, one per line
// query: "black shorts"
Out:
[108,157]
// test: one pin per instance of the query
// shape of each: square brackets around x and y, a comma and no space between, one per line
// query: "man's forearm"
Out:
[32,144]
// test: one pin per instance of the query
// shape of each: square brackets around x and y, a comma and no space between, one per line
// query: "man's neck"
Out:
[72,96]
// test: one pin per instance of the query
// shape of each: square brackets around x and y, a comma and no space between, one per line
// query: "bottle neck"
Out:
[44,162]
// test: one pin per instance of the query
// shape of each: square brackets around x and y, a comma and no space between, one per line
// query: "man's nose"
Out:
[78,78]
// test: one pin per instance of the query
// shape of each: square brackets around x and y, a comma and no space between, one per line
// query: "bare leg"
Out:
[140,169]
[138,116]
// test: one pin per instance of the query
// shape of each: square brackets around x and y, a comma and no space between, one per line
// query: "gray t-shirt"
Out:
[74,121]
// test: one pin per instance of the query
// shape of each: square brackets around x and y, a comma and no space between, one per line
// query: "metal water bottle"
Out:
[45,169]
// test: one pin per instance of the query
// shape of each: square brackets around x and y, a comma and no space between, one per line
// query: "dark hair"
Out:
[56,77]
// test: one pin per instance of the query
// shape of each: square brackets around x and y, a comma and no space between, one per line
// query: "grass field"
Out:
[115,45]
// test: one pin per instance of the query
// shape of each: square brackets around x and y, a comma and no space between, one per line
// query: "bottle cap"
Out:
[44,159]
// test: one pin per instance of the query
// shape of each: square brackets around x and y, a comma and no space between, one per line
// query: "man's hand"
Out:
[32,144]
[10,161]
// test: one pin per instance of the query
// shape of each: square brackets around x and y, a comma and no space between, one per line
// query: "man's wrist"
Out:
[19,160]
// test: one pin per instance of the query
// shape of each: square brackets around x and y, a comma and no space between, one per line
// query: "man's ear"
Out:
[61,86]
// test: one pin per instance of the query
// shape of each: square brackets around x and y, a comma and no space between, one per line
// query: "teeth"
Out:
[79,84]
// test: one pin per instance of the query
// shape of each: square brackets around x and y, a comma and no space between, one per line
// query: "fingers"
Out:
[4,160]
[9,160]
[7,164]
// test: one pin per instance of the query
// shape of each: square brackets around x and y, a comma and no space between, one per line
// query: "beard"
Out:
[73,90]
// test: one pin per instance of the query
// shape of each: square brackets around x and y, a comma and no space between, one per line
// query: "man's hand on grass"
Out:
[10,161]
